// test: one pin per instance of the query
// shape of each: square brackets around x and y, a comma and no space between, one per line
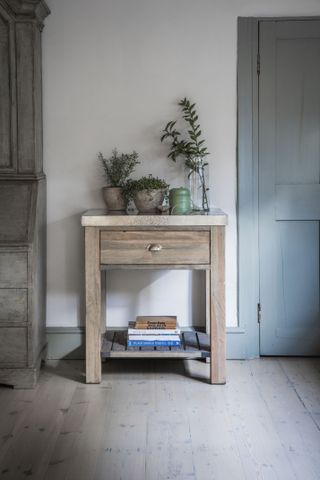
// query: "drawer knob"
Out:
[154,247]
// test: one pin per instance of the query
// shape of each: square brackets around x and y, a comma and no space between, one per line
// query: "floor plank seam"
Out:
[292,385]
[159,422]
[272,420]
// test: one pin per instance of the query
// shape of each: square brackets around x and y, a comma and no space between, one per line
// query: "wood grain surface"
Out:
[13,269]
[153,419]
[175,247]
[217,306]
[93,304]
[13,306]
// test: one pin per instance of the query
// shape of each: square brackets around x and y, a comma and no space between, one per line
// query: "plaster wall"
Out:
[113,72]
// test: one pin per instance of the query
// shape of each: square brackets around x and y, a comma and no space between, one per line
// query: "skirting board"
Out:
[69,343]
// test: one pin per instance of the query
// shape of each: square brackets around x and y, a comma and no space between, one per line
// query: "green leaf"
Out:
[192,145]
[204,152]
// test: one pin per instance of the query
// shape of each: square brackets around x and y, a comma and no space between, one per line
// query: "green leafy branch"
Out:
[191,147]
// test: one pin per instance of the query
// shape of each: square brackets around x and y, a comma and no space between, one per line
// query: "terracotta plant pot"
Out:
[114,198]
[148,201]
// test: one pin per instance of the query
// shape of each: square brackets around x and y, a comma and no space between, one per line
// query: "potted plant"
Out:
[117,169]
[147,193]
[194,152]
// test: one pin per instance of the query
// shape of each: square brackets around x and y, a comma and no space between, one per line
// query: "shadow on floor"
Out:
[121,368]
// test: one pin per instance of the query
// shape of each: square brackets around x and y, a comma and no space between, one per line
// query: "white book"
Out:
[153,331]
[154,338]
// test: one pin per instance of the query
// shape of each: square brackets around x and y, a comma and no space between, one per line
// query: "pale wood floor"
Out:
[161,420]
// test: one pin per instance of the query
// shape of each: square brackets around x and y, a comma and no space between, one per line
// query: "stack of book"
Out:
[154,332]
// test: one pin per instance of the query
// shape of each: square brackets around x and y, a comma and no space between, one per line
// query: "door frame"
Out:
[248,181]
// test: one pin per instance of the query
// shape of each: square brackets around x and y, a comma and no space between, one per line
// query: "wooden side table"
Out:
[156,242]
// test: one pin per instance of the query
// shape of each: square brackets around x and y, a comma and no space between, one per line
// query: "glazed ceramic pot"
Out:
[180,201]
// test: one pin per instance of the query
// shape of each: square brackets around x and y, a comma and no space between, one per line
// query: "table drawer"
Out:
[155,247]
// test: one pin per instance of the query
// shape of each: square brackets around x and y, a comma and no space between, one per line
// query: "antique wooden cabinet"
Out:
[22,193]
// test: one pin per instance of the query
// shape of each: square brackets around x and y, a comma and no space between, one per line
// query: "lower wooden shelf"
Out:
[194,344]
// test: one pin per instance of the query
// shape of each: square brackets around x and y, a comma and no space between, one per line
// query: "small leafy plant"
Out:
[144,183]
[119,167]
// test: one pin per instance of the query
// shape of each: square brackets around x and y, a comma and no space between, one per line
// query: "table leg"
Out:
[208,301]
[93,305]
[217,306]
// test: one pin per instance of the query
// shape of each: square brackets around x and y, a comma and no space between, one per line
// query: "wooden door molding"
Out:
[247,174]
[247,204]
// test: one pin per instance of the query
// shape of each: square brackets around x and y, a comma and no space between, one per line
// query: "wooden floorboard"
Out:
[304,378]
[31,446]
[155,419]
[295,427]
[260,447]
[78,445]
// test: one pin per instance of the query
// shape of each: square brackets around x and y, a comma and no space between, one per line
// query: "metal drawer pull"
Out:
[154,247]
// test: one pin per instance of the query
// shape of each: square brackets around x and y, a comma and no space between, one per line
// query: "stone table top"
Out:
[102,218]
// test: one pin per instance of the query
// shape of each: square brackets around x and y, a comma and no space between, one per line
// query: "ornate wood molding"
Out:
[28,9]
[21,22]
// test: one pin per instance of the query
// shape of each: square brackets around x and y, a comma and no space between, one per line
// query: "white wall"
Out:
[113,71]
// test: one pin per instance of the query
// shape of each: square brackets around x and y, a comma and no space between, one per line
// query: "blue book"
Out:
[154,343]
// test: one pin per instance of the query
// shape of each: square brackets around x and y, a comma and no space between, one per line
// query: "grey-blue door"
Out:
[289,190]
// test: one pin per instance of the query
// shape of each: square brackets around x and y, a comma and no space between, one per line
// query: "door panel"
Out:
[297,110]
[289,190]
[297,202]
[298,254]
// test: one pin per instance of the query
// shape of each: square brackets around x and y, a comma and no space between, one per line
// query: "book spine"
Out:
[154,338]
[150,331]
[156,343]
[157,326]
